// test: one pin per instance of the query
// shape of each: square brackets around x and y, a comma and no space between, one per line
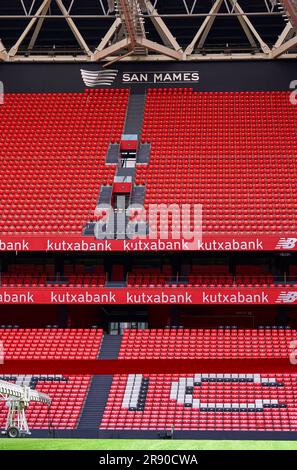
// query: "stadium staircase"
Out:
[122,192]
[95,403]
[135,113]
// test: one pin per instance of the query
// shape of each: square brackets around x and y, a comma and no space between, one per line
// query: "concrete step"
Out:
[135,114]
[97,396]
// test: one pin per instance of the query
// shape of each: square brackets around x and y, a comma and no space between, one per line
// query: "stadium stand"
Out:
[25,275]
[80,275]
[205,142]
[206,343]
[153,280]
[204,402]
[216,402]
[68,393]
[96,275]
[200,119]
[151,276]
[52,154]
[61,141]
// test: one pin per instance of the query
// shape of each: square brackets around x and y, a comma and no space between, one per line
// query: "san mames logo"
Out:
[93,78]
[161,77]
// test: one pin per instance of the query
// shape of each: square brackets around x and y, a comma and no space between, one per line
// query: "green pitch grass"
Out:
[129,444]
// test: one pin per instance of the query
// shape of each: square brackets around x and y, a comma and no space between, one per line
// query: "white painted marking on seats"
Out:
[178,391]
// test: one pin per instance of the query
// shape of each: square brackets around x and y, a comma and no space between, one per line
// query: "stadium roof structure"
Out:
[112,30]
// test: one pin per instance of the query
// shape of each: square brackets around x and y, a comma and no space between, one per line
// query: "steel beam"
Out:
[284,48]
[39,25]
[163,31]
[250,26]
[16,46]
[3,52]
[110,50]
[108,36]
[73,28]
[205,27]
[154,46]
[291,8]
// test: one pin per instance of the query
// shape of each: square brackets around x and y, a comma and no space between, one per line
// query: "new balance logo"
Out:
[286,244]
[93,78]
[287,298]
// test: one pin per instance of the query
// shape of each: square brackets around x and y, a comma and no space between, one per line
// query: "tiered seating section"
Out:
[237,402]
[80,275]
[218,275]
[150,276]
[206,343]
[52,158]
[232,152]
[28,275]
[68,393]
[34,275]
[192,402]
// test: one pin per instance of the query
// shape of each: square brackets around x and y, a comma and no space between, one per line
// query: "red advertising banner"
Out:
[217,242]
[149,296]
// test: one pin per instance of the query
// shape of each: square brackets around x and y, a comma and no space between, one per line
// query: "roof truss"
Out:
[125,37]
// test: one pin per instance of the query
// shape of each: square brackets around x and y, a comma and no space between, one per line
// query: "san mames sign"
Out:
[93,78]
[160,77]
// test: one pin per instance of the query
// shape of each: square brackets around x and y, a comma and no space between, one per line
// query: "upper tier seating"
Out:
[206,343]
[52,158]
[68,393]
[232,152]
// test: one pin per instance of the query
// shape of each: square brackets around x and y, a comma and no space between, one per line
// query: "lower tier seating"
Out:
[207,343]
[212,402]
[238,402]
[68,393]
